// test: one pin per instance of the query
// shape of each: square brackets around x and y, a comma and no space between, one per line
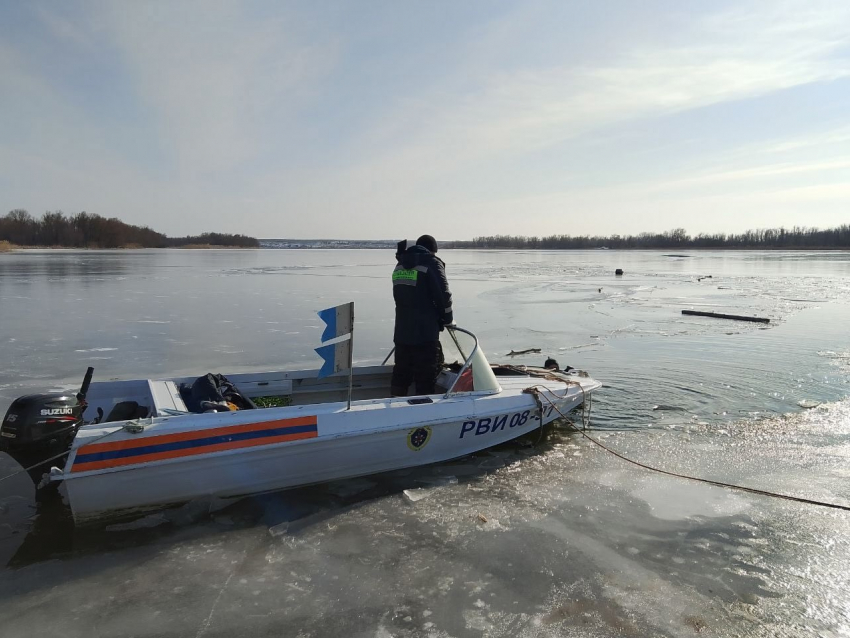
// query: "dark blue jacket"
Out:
[423,302]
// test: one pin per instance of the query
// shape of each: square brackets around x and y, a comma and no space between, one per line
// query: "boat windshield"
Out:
[476,375]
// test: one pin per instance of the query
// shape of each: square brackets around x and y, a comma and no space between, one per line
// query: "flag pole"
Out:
[351,357]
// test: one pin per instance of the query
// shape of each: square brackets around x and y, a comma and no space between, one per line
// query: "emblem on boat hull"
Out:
[418,438]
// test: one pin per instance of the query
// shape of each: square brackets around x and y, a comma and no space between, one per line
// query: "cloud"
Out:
[741,54]
[218,80]
[442,149]
[208,86]
[424,151]
[62,28]
[751,174]
[311,123]
[835,138]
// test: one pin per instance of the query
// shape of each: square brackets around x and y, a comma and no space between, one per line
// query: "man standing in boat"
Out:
[423,306]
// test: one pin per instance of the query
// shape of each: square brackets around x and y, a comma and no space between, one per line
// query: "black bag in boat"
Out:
[213,388]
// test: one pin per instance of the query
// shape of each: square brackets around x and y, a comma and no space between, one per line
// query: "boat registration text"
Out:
[493,424]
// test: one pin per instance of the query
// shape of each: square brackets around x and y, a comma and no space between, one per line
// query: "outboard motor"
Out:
[37,427]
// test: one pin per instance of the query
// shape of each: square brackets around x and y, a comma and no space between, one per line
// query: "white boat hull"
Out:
[128,472]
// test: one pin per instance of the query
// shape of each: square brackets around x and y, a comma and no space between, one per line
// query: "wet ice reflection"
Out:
[548,540]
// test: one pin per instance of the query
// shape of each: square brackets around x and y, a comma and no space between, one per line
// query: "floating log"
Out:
[718,315]
[514,353]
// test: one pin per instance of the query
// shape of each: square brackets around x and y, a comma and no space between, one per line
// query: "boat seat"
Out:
[166,396]
[125,411]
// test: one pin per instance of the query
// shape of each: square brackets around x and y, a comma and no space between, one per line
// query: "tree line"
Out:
[797,237]
[86,230]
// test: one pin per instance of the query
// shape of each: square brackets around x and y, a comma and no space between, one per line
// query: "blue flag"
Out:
[339,320]
[336,357]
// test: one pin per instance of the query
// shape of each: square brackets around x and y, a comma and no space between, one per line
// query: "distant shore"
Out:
[686,249]
[84,230]
[381,244]
[6,247]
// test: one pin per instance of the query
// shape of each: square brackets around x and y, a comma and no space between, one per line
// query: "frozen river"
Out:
[555,539]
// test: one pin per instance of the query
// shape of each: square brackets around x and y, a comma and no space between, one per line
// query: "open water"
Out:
[559,538]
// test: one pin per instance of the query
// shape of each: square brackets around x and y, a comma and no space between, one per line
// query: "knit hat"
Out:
[426,241]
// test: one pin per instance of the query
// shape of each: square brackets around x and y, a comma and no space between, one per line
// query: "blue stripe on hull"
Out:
[183,445]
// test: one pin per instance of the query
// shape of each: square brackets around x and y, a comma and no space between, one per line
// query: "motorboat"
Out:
[149,446]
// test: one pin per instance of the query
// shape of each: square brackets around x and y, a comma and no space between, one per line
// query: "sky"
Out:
[383,119]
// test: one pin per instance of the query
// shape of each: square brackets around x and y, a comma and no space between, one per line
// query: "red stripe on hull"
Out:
[174,454]
[144,441]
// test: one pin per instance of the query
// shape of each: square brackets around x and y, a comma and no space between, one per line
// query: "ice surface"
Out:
[554,539]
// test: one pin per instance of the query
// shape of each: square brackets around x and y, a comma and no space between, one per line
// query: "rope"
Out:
[751,490]
[539,403]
